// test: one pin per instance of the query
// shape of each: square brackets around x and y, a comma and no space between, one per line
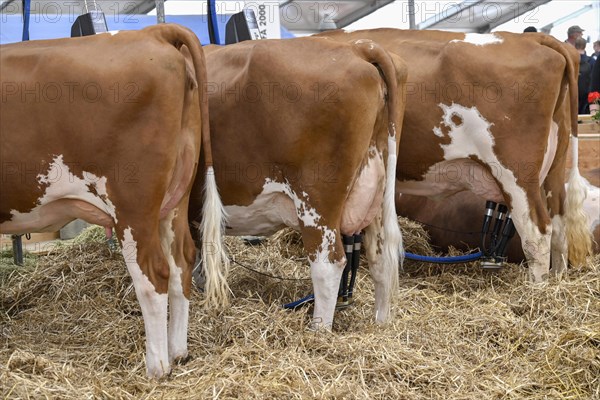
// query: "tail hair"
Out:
[393,245]
[579,237]
[214,257]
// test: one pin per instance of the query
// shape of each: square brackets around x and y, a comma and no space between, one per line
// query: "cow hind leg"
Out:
[384,261]
[533,225]
[178,247]
[383,247]
[327,262]
[555,194]
[149,271]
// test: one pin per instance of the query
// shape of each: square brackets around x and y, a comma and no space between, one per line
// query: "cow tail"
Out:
[571,74]
[579,237]
[578,233]
[214,257]
[393,71]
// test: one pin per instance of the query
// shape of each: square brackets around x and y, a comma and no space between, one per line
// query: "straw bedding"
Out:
[71,328]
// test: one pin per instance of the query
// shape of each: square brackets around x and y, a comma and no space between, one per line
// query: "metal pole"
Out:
[17,246]
[411,14]
[213,29]
[160,11]
[26,4]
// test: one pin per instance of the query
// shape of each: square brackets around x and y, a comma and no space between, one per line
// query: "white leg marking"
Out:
[326,276]
[379,268]
[154,311]
[326,282]
[178,304]
[536,246]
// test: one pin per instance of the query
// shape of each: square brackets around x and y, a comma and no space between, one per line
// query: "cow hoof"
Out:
[158,373]
[182,360]
[316,325]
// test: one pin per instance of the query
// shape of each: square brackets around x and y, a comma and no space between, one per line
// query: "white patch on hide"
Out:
[276,207]
[271,210]
[473,138]
[63,184]
[479,39]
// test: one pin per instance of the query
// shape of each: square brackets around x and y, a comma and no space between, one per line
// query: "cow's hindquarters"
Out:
[383,239]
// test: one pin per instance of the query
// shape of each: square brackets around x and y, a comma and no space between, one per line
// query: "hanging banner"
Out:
[267,17]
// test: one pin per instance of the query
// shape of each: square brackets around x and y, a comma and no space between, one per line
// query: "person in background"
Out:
[596,52]
[585,75]
[530,29]
[573,33]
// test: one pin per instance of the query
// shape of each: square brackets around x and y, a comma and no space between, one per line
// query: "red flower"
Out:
[593,97]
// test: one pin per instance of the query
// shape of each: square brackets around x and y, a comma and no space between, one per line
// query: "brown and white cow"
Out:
[303,131]
[481,115]
[108,128]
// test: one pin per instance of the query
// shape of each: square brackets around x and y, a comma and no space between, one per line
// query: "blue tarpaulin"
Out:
[45,26]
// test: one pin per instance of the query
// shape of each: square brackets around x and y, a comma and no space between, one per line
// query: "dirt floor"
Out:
[71,328]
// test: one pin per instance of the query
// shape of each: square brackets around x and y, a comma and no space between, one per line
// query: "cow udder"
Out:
[366,196]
